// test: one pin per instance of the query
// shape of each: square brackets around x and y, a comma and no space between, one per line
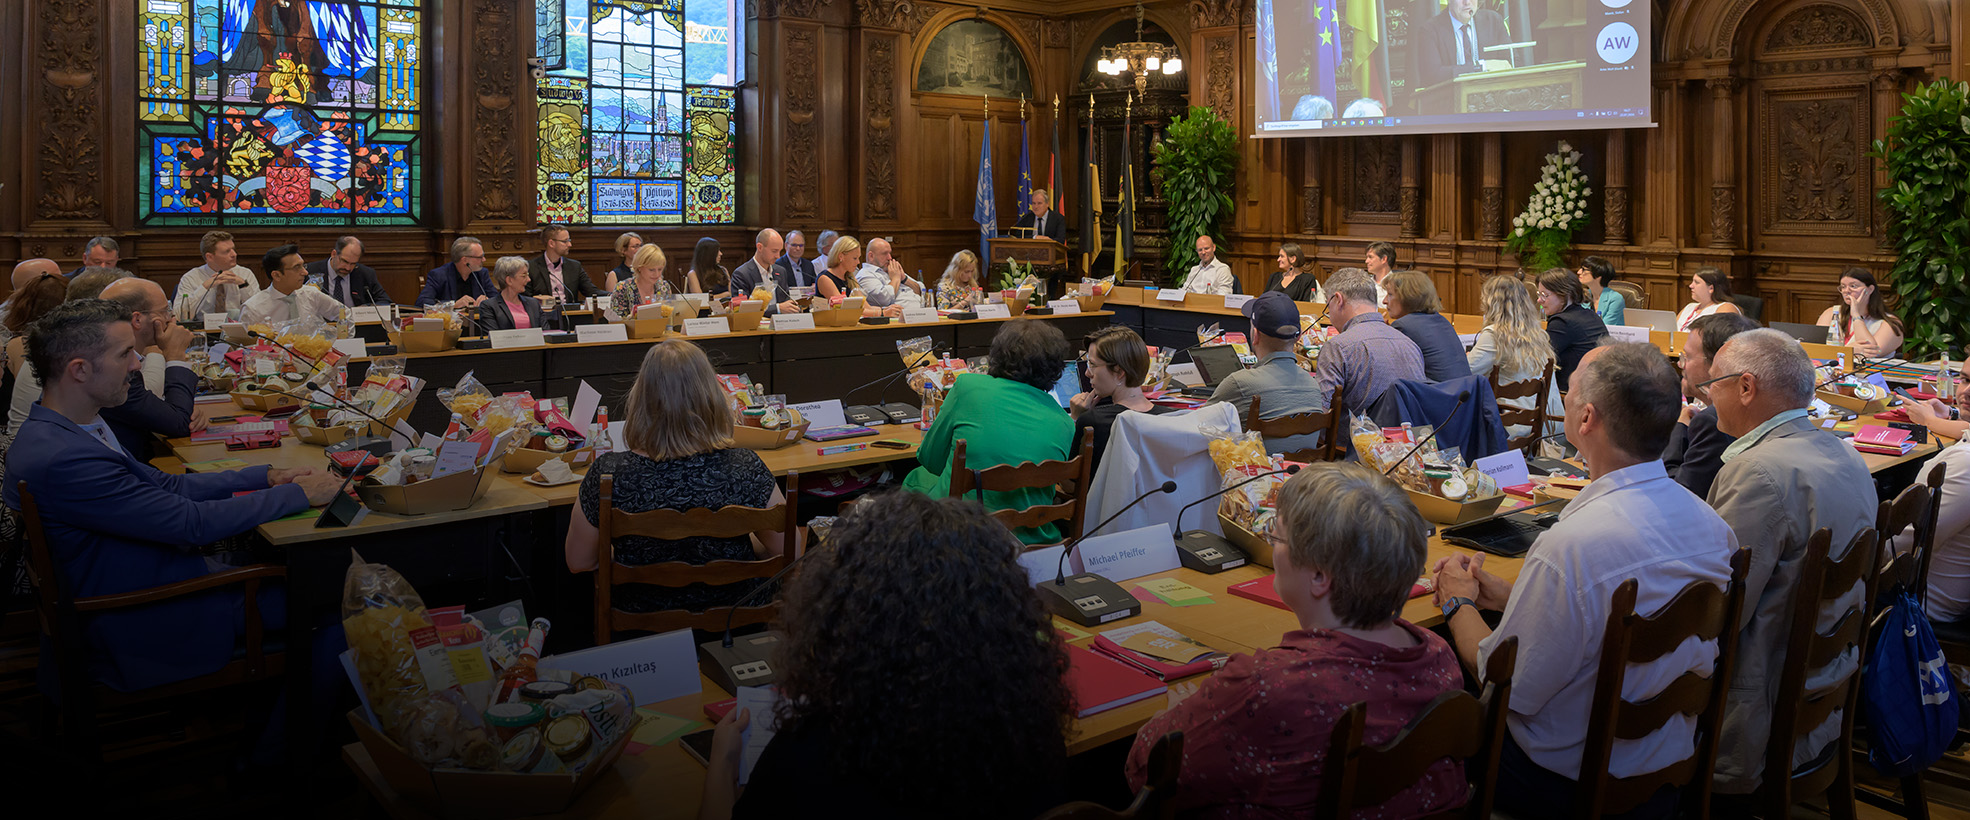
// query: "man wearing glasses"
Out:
[463,280]
[1696,447]
[285,298]
[144,415]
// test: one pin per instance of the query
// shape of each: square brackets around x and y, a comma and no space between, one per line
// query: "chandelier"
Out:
[1139,58]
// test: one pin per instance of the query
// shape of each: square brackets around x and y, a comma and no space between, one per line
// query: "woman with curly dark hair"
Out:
[1007,417]
[920,677]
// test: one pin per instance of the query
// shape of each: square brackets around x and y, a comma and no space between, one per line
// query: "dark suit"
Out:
[1573,332]
[494,315]
[795,272]
[1055,227]
[443,284]
[116,525]
[748,276]
[1696,452]
[364,289]
[574,281]
[143,414]
[1436,58]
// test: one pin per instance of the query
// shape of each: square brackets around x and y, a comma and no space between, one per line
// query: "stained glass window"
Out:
[638,111]
[280,112]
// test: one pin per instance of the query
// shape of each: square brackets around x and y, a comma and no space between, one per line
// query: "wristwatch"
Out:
[1451,606]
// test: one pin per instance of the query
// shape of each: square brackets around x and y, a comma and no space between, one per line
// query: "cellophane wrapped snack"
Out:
[1240,456]
[468,398]
[1427,470]
[307,335]
[916,352]
[380,611]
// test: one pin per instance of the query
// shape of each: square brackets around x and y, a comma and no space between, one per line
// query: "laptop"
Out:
[1215,363]
[1068,384]
[1815,334]
[1663,320]
[1508,534]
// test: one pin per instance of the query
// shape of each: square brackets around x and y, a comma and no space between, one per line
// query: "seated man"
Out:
[793,267]
[1283,387]
[1210,275]
[144,415]
[759,269]
[1783,479]
[101,252]
[287,297]
[463,280]
[882,279]
[79,472]
[344,276]
[1368,355]
[1696,446]
[221,285]
[1631,522]
[1348,546]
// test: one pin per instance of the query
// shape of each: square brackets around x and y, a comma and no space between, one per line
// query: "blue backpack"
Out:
[1907,694]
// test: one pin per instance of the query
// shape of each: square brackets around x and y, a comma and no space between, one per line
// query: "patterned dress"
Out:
[951,295]
[720,478]
[626,297]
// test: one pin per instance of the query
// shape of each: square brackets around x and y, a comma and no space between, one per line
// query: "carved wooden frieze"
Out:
[802,88]
[1614,215]
[1374,179]
[1491,209]
[880,148]
[1221,78]
[1816,174]
[1411,209]
[1723,216]
[495,173]
[1310,216]
[1214,13]
[69,152]
[1815,27]
[892,14]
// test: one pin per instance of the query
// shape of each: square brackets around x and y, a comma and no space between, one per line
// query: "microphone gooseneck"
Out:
[1462,397]
[1060,568]
[747,598]
[1289,469]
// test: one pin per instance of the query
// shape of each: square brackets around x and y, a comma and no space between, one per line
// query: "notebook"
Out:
[1101,683]
[1261,590]
[1887,441]
[1110,643]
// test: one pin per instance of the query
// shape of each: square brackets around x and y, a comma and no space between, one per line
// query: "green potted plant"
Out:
[1927,155]
[1195,164]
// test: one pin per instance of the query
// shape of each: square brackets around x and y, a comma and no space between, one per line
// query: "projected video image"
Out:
[1433,66]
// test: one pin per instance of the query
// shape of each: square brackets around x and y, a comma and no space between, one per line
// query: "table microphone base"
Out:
[1205,552]
[747,662]
[1088,599]
[379,447]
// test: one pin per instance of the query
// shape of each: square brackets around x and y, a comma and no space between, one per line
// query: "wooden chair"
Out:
[1535,416]
[1454,725]
[1632,297]
[1068,479]
[63,627]
[1914,507]
[1800,709]
[1298,424]
[1152,803]
[1700,610]
[725,522]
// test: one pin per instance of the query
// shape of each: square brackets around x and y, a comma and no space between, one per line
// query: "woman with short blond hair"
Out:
[647,284]
[676,453]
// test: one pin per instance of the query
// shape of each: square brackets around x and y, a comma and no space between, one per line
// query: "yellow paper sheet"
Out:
[1173,589]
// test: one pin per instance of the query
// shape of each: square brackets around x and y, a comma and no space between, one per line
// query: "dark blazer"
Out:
[748,276]
[1696,452]
[143,414]
[1055,229]
[1573,331]
[1436,58]
[785,269]
[1443,352]
[364,289]
[443,285]
[494,315]
[574,281]
[157,518]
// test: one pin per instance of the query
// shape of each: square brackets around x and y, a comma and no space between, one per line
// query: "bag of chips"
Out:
[468,398]
[380,611]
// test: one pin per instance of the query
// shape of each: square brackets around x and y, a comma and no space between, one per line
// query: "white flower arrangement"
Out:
[1557,208]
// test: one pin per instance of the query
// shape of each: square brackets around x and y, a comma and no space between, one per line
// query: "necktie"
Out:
[291,309]
[1039,227]
[1470,48]
[342,290]
[219,299]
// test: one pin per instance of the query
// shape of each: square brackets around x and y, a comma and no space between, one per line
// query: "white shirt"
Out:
[195,299]
[1460,30]
[1948,596]
[271,307]
[100,430]
[1637,523]
[1214,278]
[874,283]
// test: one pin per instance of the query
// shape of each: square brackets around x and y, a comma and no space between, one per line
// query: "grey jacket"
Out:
[1775,495]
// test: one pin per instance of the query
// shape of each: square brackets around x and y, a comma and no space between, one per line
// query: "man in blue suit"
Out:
[463,280]
[117,524]
[793,269]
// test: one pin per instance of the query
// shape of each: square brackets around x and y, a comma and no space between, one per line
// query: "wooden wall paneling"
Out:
[1493,222]
[1614,189]
[64,127]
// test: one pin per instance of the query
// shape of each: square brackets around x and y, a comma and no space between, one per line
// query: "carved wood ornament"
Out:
[70,156]
[797,66]
[495,174]
[1221,78]
[1374,178]
[880,188]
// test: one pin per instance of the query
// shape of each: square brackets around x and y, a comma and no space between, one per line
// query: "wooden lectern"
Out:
[1040,253]
[1552,87]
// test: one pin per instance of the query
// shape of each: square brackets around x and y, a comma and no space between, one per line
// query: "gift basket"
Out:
[1444,489]
[761,421]
[931,376]
[385,398]
[1854,394]
[437,329]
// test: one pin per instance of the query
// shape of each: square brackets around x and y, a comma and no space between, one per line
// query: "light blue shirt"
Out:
[1612,308]
[1748,440]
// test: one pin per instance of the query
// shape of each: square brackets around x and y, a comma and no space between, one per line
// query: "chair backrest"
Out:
[1068,479]
[1753,306]
[1152,803]
[1908,509]
[1799,708]
[725,522]
[1925,532]
[1701,610]
[1454,725]
[52,605]
[1534,416]
[1299,424]
[1631,294]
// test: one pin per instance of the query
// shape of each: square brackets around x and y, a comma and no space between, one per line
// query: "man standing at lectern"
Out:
[1042,220]
[1453,43]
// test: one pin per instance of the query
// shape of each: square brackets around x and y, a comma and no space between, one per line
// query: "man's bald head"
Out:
[138,293]
[767,246]
[26,271]
[880,253]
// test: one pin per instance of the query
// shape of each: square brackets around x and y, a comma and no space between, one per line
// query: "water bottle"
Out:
[598,432]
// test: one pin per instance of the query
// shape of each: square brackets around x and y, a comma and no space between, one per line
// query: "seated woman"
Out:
[1570,326]
[33,301]
[1006,417]
[626,247]
[1512,341]
[862,735]
[1861,321]
[1711,291]
[1118,361]
[1594,274]
[1412,308]
[837,276]
[1297,284]
[1948,596]
[676,454]
[954,288]
[511,308]
[647,285]
[707,275]
[1347,545]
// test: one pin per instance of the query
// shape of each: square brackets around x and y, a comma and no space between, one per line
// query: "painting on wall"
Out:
[974,57]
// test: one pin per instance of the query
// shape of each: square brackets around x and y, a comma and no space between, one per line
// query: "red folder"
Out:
[1101,683]
[1260,589]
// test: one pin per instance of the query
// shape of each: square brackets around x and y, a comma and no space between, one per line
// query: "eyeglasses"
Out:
[1706,384]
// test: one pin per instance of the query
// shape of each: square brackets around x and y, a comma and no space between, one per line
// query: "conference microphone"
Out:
[1209,552]
[881,413]
[1462,397]
[1877,366]
[1086,598]
[378,445]
[749,661]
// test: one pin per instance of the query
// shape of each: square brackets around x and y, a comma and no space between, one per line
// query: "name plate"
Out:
[1506,468]
[709,326]
[793,321]
[1237,301]
[1628,333]
[1169,295]
[601,333]
[917,316]
[994,310]
[1063,307]
[213,321]
[530,337]
[1132,554]
[352,347]
[653,668]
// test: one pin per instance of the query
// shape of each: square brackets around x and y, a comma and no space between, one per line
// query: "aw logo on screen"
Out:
[1617,43]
